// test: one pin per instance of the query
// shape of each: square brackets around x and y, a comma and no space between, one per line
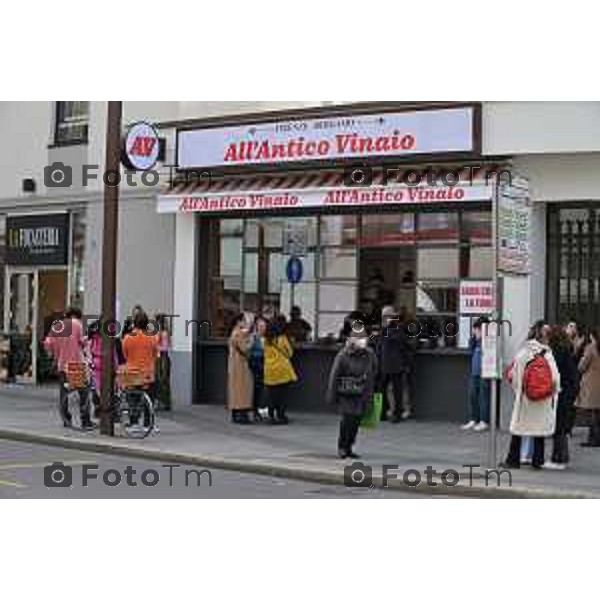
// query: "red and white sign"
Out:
[432,131]
[141,146]
[476,297]
[224,202]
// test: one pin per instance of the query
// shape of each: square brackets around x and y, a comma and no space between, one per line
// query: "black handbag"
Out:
[351,385]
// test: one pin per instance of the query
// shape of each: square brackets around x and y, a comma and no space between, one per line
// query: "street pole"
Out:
[492,457]
[109,263]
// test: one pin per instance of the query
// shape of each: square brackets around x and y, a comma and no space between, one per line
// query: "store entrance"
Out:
[32,298]
[387,279]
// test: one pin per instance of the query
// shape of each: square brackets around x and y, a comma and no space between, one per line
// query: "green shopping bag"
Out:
[372,415]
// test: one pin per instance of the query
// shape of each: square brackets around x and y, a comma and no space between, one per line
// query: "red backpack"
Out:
[537,379]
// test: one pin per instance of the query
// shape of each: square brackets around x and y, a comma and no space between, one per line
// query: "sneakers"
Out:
[552,466]
[481,426]
[468,426]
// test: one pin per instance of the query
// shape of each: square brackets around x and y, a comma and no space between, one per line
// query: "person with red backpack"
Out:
[535,380]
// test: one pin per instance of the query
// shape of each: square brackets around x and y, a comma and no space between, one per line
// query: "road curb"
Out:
[285,471]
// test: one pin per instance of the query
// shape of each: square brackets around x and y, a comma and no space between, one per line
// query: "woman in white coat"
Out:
[536,419]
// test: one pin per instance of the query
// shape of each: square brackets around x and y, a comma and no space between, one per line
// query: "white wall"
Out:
[25,130]
[561,177]
[536,127]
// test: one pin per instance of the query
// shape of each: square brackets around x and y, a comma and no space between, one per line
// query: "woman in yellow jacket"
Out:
[279,373]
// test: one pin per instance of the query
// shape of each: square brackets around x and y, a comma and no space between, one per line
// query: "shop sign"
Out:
[384,134]
[295,239]
[37,240]
[141,147]
[514,228]
[377,196]
[476,297]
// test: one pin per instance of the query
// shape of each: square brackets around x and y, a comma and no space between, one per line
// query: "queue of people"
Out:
[556,371]
[260,369]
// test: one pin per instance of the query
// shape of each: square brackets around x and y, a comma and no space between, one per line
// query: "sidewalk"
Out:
[305,449]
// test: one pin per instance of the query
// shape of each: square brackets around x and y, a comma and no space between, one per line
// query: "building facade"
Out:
[206,251]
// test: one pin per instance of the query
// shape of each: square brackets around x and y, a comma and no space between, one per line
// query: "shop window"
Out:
[71,122]
[437,297]
[338,296]
[225,270]
[250,273]
[330,325]
[339,230]
[434,263]
[481,262]
[338,263]
[388,230]
[437,228]
[231,265]
[273,232]
[413,261]
[477,227]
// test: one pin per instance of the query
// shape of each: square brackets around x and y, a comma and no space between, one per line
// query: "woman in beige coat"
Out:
[239,376]
[589,391]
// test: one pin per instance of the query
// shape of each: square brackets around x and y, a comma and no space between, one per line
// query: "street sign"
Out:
[514,227]
[294,270]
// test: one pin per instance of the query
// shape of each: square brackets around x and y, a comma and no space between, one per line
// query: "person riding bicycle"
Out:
[141,349]
[65,342]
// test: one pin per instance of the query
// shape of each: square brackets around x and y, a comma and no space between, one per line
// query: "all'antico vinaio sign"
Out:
[430,131]
[321,198]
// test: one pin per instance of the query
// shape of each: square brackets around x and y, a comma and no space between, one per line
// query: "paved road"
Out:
[22,476]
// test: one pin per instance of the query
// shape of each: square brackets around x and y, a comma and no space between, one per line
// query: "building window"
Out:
[72,119]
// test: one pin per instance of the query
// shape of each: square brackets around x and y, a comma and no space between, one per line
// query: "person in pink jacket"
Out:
[65,342]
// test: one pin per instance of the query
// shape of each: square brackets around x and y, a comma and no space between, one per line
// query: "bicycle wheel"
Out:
[139,411]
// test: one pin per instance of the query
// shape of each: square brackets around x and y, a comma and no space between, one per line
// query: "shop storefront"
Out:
[332,213]
[42,273]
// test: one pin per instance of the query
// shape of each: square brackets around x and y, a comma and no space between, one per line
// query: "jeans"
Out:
[514,453]
[64,405]
[349,425]
[479,399]
[526,448]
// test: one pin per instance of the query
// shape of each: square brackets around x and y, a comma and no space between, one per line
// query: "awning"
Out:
[323,189]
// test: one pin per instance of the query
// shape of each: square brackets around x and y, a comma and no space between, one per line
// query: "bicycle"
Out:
[77,382]
[132,403]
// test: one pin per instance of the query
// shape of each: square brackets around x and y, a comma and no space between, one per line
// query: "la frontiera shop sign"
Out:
[37,240]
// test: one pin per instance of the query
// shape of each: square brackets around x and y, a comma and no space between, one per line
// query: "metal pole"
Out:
[492,457]
[109,262]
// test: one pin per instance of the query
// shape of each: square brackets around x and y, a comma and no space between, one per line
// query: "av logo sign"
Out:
[141,146]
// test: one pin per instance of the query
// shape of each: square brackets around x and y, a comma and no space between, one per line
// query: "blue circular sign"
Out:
[294,270]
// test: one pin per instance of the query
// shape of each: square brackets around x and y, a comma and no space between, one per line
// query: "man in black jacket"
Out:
[397,360]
